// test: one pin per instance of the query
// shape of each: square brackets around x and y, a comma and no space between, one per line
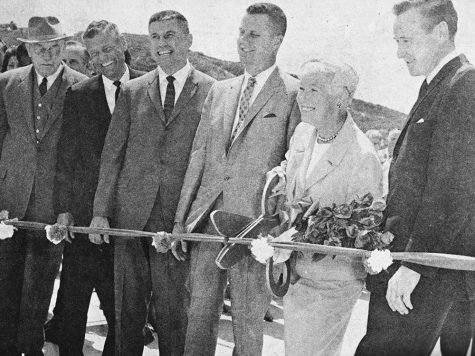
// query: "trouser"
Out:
[29,264]
[86,267]
[140,270]
[249,301]
[457,331]
[390,333]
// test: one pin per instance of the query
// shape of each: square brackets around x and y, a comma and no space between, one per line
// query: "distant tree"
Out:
[13,26]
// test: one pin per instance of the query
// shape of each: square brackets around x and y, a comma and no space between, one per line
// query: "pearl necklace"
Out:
[329,139]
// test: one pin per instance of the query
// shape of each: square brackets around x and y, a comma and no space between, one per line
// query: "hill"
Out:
[367,115]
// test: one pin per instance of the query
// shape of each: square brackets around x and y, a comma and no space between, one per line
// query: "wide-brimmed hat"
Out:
[44,29]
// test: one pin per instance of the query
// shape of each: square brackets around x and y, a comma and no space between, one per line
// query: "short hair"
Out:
[102,26]
[170,15]
[433,12]
[9,53]
[342,75]
[78,45]
[276,15]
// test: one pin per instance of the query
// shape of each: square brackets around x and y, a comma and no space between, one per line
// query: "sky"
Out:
[358,32]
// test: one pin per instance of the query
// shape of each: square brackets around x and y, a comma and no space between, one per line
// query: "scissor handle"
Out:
[271,182]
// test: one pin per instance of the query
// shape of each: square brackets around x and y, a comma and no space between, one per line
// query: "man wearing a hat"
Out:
[31,110]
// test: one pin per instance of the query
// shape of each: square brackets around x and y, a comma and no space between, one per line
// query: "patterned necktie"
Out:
[169,98]
[244,105]
[43,86]
[117,91]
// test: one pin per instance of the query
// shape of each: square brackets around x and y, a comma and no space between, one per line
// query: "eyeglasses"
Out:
[41,50]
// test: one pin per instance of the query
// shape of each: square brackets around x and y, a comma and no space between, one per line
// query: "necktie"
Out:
[117,91]
[244,105]
[169,98]
[423,89]
[43,86]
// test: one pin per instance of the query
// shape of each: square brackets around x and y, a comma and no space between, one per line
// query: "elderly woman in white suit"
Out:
[330,160]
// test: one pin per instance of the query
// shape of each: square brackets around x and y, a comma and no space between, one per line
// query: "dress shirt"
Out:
[51,78]
[180,78]
[261,79]
[110,88]
[442,63]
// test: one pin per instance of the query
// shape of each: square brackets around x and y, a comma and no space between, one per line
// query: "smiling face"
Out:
[257,43]
[418,47]
[106,50]
[314,98]
[169,44]
[46,56]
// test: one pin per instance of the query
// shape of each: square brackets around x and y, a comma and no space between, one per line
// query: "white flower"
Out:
[261,250]
[6,231]
[56,233]
[378,260]
[162,241]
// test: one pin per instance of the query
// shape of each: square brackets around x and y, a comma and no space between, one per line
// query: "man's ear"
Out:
[189,40]
[123,41]
[442,30]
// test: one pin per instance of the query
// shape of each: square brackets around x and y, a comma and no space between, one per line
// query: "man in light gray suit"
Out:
[244,132]
[31,108]
[143,165]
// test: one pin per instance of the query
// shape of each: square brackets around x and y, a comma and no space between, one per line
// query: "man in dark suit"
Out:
[31,112]
[431,199]
[142,169]
[244,132]
[87,115]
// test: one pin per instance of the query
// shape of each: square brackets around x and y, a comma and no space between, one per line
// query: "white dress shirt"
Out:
[180,78]
[51,78]
[442,63]
[110,88]
[261,79]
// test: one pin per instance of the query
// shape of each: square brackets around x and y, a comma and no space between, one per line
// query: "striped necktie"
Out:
[244,105]
[169,98]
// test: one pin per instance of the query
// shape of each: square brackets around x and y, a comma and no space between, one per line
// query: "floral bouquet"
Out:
[353,225]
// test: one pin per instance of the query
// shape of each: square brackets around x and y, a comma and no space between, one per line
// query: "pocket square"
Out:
[421,120]
[269,116]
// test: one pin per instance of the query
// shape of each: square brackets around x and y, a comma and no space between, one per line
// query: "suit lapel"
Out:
[57,107]
[189,90]
[97,98]
[24,99]
[270,87]
[456,62]
[154,96]
[230,108]
[333,156]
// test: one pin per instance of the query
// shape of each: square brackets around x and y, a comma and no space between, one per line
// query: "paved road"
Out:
[273,334]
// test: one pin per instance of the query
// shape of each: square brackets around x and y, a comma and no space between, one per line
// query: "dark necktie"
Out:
[169,98]
[43,86]
[423,90]
[117,91]
[244,105]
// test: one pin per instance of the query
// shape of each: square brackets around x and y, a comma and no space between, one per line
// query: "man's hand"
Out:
[66,219]
[179,248]
[400,287]
[101,223]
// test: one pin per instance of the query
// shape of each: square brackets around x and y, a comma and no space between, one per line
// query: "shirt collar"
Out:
[442,63]
[262,77]
[124,79]
[51,78]
[180,75]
